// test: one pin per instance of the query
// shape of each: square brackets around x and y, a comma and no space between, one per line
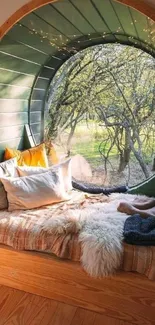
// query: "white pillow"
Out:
[30,192]
[7,169]
[65,166]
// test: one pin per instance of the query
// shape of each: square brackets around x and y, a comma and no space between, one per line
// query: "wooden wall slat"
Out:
[123,13]
[141,25]
[151,27]
[44,28]
[37,138]
[11,132]
[16,64]
[11,77]
[35,117]
[36,105]
[38,94]
[18,49]
[13,119]
[72,14]
[91,15]
[11,143]
[47,73]
[50,15]
[36,128]
[13,105]
[21,33]
[42,83]
[108,14]
[54,63]
[14,92]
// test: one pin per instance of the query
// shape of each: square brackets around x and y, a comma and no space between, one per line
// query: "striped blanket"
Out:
[50,229]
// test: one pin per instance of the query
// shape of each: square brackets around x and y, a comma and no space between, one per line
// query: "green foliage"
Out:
[111,86]
[98,135]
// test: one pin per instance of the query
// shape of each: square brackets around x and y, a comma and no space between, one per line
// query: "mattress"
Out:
[31,230]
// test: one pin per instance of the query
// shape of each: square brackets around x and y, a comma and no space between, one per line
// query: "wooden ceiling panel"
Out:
[53,17]
[12,91]
[13,105]
[109,15]
[60,26]
[16,64]
[10,119]
[92,15]
[36,105]
[16,78]
[151,26]
[15,48]
[123,12]
[37,24]
[141,25]
[71,12]
[31,38]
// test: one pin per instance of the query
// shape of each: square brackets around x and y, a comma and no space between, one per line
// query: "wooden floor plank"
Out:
[65,281]
[21,308]
[32,309]
[9,299]
[45,313]
[104,320]
[83,317]
[64,315]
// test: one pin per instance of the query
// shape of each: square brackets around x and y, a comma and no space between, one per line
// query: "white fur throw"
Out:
[101,235]
[100,228]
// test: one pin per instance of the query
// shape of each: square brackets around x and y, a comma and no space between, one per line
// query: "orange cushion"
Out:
[35,156]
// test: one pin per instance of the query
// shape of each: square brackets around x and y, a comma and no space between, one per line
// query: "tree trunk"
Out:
[124,159]
[142,164]
[71,133]
[140,159]
[153,165]
[125,154]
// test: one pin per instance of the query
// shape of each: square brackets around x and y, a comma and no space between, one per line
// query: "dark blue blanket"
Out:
[139,231]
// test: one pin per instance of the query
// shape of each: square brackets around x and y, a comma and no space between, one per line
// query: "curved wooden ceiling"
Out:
[146,7]
[73,22]
[37,45]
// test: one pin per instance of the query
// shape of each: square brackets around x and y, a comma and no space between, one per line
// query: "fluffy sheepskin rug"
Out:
[100,228]
[102,234]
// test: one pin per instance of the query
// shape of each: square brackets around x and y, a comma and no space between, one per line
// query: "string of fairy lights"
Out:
[60,42]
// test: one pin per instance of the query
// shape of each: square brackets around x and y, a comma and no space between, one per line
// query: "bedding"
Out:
[7,169]
[35,156]
[140,231]
[30,192]
[64,229]
[66,171]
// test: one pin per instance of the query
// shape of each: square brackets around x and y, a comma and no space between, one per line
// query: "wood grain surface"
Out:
[126,297]
[20,308]
[147,7]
